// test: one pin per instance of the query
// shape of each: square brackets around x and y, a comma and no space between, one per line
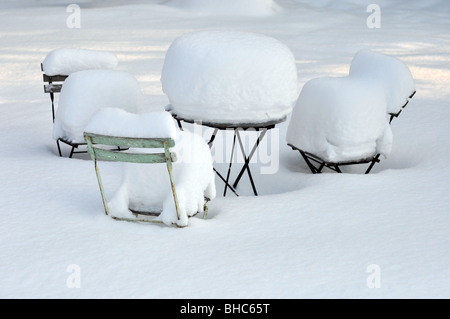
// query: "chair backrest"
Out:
[99,153]
[52,84]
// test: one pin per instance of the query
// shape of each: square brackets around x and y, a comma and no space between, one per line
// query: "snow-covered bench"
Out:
[147,192]
[85,92]
[60,63]
[230,80]
[390,74]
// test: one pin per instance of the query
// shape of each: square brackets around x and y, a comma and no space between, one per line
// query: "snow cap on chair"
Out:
[67,61]
[340,119]
[85,92]
[117,122]
[230,77]
[392,74]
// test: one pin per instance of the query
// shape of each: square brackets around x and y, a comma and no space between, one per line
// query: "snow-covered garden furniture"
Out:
[388,74]
[230,80]
[60,63]
[85,92]
[343,121]
[147,193]
[339,121]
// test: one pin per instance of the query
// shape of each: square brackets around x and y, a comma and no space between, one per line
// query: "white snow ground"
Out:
[306,236]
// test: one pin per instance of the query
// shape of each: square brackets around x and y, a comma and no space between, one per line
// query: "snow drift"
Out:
[224,76]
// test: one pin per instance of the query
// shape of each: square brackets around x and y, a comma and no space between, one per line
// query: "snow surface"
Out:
[224,8]
[230,77]
[304,236]
[391,74]
[85,92]
[66,61]
[341,119]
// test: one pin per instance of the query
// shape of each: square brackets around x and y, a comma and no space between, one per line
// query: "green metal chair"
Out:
[97,152]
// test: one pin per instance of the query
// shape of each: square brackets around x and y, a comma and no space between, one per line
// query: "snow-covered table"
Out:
[230,80]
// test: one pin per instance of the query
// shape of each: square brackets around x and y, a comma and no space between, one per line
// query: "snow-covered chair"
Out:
[60,63]
[147,193]
[339,121]
[85,92]
[387,73]
[230,80]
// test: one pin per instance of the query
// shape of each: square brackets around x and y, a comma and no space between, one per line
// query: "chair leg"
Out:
[72,151]
[308,162]
[52,98]
[97,173]
[59,148]
[172,183]
[375,160]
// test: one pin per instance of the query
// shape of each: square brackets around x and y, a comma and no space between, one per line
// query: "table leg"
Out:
[226,181]
[247,159]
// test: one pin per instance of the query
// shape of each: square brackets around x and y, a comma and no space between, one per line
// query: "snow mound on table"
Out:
[229,7]
[67,61]
[118,122]
[146,187]
[85,92]
[392,74]
[340,119]
[230,77]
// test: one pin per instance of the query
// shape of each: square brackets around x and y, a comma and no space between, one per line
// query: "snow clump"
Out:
[67,61]
[387,71]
